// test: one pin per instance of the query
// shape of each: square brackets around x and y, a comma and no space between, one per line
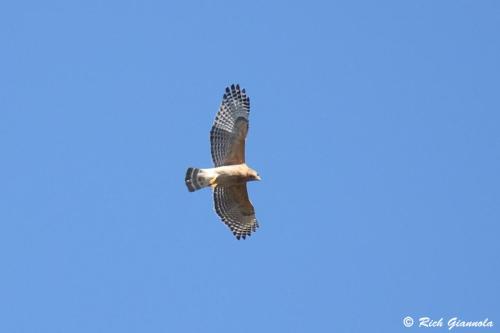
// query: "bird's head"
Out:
[253,175]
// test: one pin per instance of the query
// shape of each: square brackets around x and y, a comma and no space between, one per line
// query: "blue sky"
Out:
[374,125]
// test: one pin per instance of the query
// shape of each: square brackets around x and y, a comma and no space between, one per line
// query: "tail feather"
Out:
[195,179]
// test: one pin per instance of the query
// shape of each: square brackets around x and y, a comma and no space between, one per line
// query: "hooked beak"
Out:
[257,177]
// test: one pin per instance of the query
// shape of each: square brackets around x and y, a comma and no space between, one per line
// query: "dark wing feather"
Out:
[230,128]
[235,209]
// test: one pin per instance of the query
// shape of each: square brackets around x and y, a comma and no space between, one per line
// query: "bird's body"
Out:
[229,176]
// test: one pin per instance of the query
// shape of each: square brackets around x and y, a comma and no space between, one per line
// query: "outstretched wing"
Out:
[227,137]
[235,209]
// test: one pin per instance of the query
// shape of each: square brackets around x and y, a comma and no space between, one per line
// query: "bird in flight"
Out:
[229,177]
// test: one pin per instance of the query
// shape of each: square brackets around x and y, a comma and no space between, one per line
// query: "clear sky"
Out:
[375,126]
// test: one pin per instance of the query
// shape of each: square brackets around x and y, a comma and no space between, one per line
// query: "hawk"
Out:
[229,177]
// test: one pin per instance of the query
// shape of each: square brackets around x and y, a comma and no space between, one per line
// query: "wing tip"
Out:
[235,90]
[241,236]
[234,87]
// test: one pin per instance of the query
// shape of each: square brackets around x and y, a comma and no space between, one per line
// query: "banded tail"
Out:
[196,179]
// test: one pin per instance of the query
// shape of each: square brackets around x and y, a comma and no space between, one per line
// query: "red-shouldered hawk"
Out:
[230,175]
